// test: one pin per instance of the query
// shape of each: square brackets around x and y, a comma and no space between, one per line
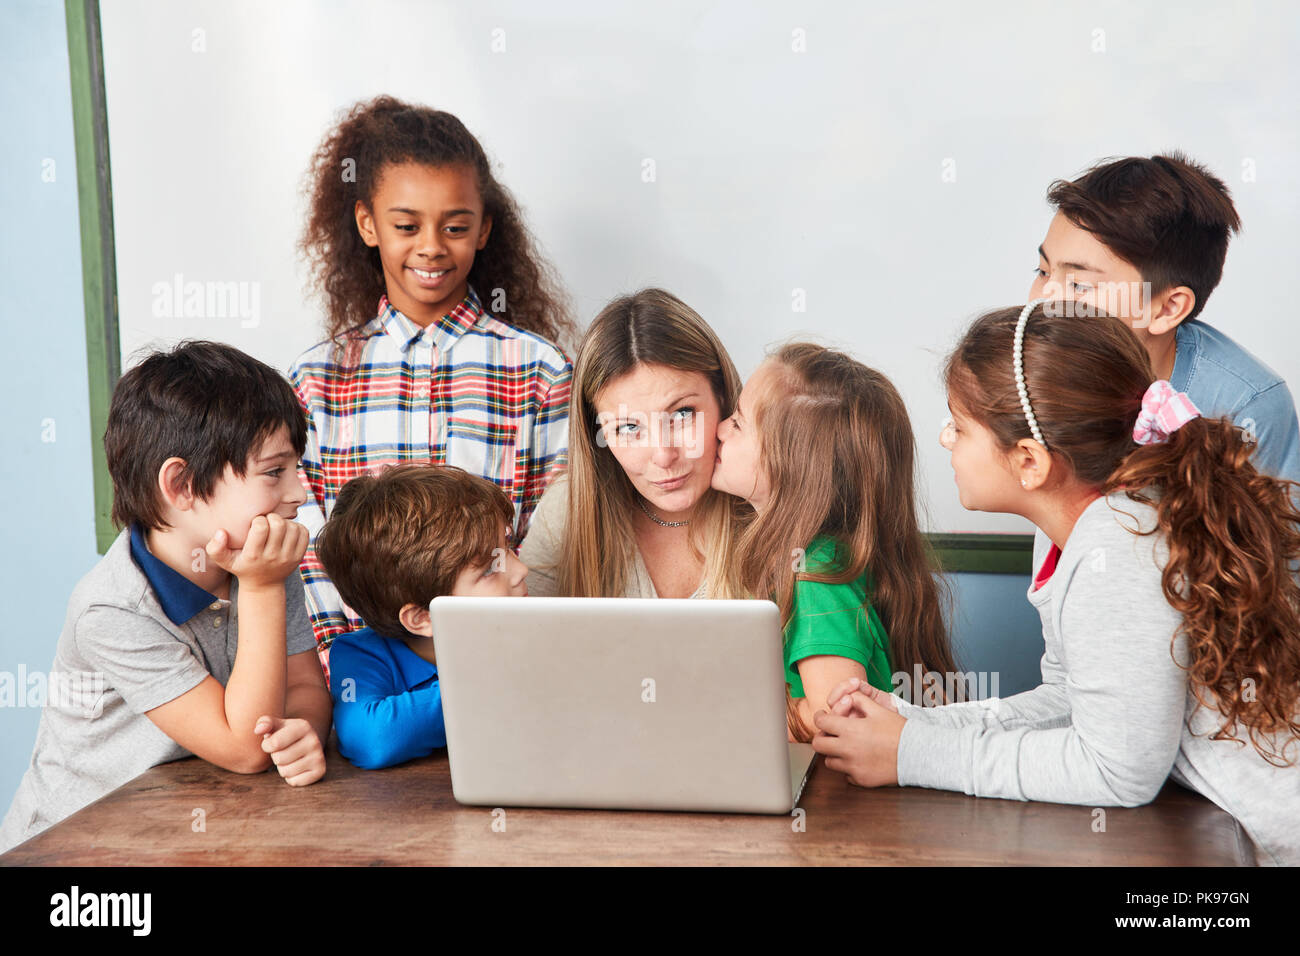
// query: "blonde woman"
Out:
[635,515]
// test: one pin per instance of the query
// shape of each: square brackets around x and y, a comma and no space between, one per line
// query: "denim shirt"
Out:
[1224,380]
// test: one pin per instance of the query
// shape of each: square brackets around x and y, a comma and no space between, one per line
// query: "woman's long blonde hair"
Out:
[650,327]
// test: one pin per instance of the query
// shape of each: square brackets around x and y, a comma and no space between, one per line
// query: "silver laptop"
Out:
[617,703]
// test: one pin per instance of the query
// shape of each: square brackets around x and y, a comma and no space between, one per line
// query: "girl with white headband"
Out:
[1164,578]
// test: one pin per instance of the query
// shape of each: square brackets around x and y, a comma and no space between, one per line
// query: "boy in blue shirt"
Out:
[1145,240]
[190,635]
[393,543]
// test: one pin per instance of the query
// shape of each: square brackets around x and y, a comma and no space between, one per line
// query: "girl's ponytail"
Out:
[1234,542]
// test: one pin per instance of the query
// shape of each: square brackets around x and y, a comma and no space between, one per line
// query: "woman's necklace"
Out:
[657,520]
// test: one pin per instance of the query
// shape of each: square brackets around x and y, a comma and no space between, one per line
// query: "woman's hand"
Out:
[864,746]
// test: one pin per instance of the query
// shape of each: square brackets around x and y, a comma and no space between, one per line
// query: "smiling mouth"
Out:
[424,274]
[671,481]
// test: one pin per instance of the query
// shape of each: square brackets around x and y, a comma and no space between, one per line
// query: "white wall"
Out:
[776,170]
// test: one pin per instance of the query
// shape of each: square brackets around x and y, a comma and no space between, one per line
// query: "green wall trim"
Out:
[984,553]
[98,260]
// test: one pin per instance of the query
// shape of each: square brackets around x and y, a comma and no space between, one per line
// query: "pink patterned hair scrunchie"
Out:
[1164,411]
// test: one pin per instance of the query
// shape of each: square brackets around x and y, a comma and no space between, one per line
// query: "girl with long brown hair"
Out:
[1166,581]
[821,446]
[442,322]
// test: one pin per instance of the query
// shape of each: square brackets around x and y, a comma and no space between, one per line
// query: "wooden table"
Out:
[407,815]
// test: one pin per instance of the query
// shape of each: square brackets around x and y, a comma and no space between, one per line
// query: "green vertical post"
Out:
[98,262]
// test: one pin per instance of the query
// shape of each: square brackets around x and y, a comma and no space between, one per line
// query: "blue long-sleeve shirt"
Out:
[387,700]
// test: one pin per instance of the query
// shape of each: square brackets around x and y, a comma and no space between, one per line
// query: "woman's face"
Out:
[661,425]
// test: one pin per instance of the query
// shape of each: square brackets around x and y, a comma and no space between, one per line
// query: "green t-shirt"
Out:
[834,619]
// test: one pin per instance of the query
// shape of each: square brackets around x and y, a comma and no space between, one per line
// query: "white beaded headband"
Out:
[1020,371]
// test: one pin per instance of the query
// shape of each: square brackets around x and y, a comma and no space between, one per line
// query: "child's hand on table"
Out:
[863,746]
[294,747]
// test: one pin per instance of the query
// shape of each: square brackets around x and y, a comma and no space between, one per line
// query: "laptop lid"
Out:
[621,703]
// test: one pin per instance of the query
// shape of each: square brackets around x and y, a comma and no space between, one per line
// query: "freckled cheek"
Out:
[701,446]
[631,459]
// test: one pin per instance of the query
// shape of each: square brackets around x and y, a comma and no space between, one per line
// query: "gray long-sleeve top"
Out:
[1115,715]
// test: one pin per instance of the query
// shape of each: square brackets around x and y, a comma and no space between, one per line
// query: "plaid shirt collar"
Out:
[443,333]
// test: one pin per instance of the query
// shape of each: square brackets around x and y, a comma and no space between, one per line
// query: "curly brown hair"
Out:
[348,165]
[1233,533]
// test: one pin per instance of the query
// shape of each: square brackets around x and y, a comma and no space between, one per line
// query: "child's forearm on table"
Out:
[256,686]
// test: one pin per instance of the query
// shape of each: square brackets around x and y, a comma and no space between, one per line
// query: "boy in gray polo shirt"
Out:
[190,636]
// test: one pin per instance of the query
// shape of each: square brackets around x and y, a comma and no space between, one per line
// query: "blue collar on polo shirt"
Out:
[180,597]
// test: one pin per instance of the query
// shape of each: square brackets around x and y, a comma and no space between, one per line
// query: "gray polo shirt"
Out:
[137,635]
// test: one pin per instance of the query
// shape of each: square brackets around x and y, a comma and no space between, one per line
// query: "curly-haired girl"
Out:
[1165,581]
[442,321]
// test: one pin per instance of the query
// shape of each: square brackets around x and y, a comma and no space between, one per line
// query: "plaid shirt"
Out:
[468,390]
